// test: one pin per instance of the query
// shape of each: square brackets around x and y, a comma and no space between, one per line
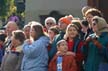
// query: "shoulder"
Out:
[68,57]
[54,58]
[42,39]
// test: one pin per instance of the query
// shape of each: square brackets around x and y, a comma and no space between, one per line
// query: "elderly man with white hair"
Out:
[49,22]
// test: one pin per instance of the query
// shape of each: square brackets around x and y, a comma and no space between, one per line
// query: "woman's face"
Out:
[94,26]
[32,32]
[51,34]
[89,18]
[72,32]
[27,32]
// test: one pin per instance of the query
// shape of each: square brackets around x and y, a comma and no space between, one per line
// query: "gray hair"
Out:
[50,18]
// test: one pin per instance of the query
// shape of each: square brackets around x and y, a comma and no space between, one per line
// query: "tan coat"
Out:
[12,60]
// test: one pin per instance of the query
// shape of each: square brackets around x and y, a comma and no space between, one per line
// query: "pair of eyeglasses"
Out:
[49,23]
[95,21]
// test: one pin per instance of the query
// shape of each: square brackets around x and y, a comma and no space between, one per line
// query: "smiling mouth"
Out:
[72,33]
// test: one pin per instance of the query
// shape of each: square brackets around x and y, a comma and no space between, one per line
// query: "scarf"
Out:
[59,63]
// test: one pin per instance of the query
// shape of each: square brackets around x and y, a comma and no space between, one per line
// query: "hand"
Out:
[59,53]
[65,36]
[29,41]
[70,53]
[88,39]
[67,53]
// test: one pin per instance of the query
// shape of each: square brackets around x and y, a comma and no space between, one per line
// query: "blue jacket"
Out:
[35,55]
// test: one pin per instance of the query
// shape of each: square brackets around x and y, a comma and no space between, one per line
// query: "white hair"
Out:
[50,18]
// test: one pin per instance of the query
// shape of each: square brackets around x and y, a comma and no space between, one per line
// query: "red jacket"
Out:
[68,64]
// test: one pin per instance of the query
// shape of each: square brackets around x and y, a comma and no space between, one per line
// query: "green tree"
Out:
[7,7]
[2,7]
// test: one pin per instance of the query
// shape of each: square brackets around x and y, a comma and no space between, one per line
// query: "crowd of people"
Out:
[71,44]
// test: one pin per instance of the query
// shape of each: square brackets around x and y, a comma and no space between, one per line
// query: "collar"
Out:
[17,49]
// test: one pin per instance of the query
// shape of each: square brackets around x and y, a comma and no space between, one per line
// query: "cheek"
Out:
[72,32]
[32,34]
[27,33]
[8,30]
[69,32]
[58,49]
[13,41]
[95,28]
[60,25]
[63,26]
[52,35]
[48,26]
[89,20]
[75,34]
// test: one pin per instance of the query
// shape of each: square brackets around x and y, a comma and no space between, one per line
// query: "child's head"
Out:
[18,37]
[72,31]
[62,46]
[52,32]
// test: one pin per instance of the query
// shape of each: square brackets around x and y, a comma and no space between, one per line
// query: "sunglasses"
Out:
[95,21]
[49,23]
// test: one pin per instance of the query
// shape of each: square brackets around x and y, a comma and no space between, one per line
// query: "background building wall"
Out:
[35,8]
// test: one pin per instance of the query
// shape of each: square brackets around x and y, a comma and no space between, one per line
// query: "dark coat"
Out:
[95,56]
